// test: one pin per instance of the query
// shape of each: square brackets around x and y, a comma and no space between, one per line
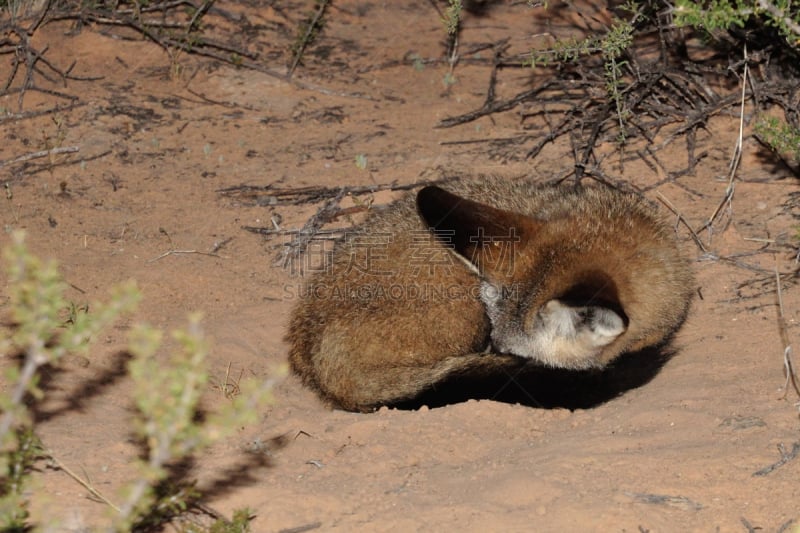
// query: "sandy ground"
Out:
[158,138]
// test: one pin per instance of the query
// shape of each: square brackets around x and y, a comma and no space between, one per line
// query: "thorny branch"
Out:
[328,212]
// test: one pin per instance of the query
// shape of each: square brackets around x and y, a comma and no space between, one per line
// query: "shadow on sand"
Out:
[537,386]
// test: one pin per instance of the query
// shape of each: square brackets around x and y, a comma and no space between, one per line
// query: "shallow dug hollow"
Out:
[684,449]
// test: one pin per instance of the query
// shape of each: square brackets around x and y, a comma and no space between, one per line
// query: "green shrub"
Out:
[724,15]
[46,327]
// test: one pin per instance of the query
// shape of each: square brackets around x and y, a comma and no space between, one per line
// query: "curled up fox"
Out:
[468,277]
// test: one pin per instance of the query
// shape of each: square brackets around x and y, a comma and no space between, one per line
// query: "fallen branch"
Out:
[40,153]
[786,456]
[297,246]
[270,195]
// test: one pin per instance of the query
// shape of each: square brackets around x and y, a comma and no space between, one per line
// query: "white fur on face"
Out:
[561,335]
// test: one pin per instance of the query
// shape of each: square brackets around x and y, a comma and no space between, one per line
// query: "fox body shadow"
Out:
[462,287]
[535,385]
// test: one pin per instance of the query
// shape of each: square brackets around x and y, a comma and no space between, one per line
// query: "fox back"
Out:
[470,277]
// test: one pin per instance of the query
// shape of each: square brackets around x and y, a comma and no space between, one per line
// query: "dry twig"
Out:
[307,37]
[181,252]
[41,153]
[682,220]
[786,456]
[736,157]
[85,483]
[788,363]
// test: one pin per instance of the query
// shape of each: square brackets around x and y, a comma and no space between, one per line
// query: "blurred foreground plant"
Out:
[40,336]
[44,327]
[166,395]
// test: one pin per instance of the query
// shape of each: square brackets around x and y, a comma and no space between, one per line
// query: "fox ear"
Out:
[483,235]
